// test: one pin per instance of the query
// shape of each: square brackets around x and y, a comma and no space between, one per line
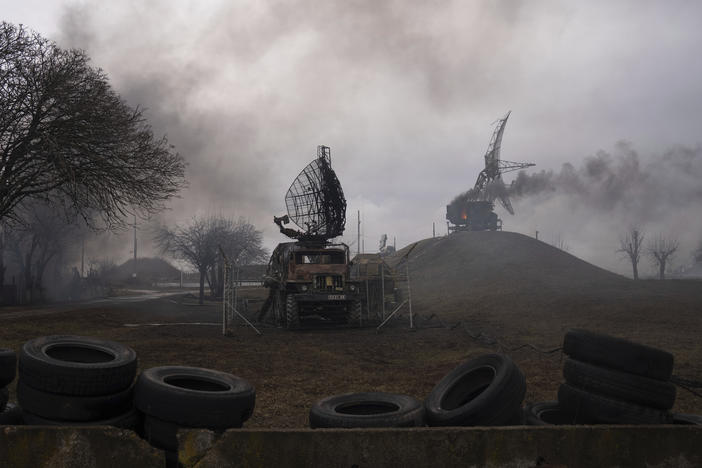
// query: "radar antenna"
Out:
[473,210]
[315,202]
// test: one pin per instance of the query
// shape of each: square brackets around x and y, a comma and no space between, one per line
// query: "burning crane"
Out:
[474,209]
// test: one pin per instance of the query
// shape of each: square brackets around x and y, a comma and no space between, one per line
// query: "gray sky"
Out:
[404,93]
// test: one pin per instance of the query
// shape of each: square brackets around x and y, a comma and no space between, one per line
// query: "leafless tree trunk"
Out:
[661,251]
[631,245]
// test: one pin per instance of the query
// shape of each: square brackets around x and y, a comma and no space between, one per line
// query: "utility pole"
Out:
[358,234]
[82,259]
[433,229]
[135,248]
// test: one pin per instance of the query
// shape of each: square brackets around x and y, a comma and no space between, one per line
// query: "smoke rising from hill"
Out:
[611,191]
[403,93]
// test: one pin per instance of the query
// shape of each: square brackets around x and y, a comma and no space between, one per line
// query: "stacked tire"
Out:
[75,380]
[610,380]
[10,413]
[367,409]
[175,397]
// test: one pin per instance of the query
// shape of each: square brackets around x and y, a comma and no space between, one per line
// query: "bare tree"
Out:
[66,136]
[661,251]
[41,237]
[631,246]
[198,245]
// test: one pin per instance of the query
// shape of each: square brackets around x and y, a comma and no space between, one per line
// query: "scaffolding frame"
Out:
[229,298]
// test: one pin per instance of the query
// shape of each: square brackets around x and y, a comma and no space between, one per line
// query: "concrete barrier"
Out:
[513,447]
[79,447]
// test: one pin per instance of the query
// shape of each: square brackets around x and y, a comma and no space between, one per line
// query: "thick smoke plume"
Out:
[593,203]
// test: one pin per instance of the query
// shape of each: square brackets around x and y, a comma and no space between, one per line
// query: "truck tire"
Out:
[292,313]
[194,397]
[8,366]
[77,365]
[589,408]
[547,413]
[369,409]
[11,415]
[131,419]
[687,419]
[161,434]
[73,408]
[355,310]
[618,354]
[485,391]
[619,385]
[4,397]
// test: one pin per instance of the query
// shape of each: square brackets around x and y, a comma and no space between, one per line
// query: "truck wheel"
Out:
[688,419]
[619,385]
[292,314]
[4,397]
[73,408]
[11,415]
[619,354]
[354,316]
[589,408]
[194,397]
[485,391]
[77,365]
[131,419]
[546,413]
[370,409]
[8,365]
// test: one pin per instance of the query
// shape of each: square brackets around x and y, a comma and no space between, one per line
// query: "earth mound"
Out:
[513,281]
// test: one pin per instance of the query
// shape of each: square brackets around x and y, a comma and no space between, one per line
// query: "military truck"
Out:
[312,285]
[309,279]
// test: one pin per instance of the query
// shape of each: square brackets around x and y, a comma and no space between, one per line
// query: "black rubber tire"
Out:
[369,409]
[355,310]
[546,413]
[68,369]
[4,397]
[73,408]
[131,419]
[619,385]
[8,366]
[687,419]
[485,391]
[11,415]
[195,397]
[590,408]
[618,354]
[161,434]
[292,313]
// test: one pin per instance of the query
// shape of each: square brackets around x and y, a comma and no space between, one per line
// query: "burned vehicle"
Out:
[309,279]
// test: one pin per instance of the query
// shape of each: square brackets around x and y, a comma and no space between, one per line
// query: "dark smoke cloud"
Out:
[612,183]
[609,192]
[404,92]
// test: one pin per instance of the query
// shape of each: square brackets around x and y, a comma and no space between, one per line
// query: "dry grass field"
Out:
[511,289]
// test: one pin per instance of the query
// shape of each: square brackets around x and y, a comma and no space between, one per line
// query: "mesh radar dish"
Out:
[473,210]
[315,200]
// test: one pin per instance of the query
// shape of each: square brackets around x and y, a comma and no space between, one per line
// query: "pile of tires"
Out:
[9,412]
[176,397]
[485,391]
[610,380]
[76,380]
